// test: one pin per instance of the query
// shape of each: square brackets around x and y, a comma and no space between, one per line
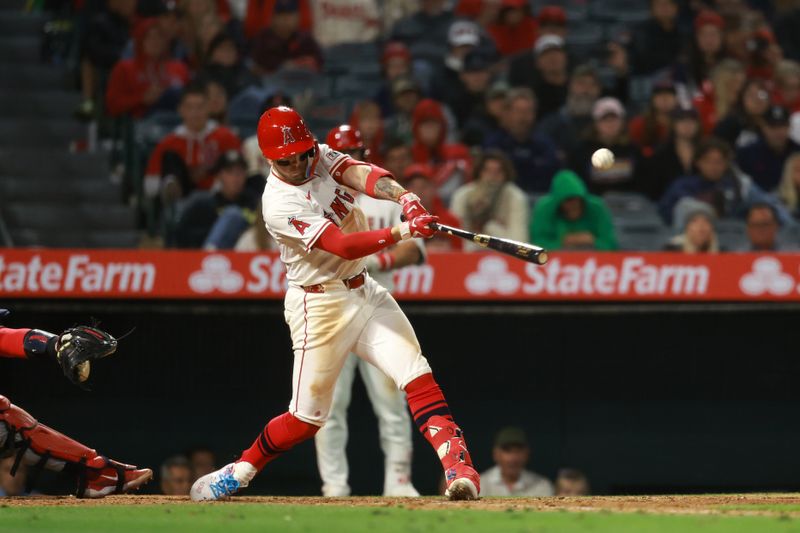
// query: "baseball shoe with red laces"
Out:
[113,478]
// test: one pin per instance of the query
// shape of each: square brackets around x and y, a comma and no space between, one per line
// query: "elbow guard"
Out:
[375,173]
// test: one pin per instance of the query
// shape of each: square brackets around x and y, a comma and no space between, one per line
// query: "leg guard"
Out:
[43,447]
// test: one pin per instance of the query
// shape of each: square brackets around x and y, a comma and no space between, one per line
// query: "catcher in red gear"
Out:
[42,447]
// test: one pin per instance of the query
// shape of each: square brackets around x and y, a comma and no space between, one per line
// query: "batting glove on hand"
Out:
[412,208]
[419,227]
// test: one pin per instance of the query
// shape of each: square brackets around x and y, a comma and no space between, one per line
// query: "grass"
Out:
[243,518]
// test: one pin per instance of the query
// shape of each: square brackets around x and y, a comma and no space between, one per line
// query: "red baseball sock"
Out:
[425,399]
[279,436]
[12,342]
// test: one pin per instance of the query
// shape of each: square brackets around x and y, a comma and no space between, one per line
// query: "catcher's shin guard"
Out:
[43,447]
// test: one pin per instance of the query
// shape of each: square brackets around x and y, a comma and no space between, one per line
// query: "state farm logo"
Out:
[216,274]
[768,277]
[492,276]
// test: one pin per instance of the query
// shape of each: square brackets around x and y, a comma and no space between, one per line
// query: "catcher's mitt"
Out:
[77,347]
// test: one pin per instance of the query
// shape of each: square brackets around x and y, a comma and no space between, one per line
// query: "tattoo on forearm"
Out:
[388,189]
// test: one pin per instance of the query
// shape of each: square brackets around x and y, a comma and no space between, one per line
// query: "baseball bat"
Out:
[526,252]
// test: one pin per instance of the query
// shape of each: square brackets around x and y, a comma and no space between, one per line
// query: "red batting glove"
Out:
[412,208]
[419,226]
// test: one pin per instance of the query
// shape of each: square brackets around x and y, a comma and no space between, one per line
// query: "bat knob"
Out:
[542,258]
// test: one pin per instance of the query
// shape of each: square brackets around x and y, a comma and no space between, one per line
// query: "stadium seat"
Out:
[732,234]
[626,11]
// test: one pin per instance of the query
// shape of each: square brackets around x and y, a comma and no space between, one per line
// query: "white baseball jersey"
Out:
[296,215]
[382,214]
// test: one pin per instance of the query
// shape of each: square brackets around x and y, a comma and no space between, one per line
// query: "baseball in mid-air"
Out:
[602,158]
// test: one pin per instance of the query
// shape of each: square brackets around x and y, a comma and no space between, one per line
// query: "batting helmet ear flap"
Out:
[282,133]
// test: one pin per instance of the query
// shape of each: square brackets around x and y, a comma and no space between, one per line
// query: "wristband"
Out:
[405,231]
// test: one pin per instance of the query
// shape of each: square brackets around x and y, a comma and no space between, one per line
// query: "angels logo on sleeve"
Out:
[299,225]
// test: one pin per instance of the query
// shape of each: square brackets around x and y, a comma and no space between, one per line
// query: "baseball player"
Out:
[388,402]
[38,445]
[333,307]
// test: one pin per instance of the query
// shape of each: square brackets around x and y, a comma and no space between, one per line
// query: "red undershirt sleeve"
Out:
[352,246]
[12,342]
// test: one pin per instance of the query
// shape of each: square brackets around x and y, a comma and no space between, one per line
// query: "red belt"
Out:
[351,283]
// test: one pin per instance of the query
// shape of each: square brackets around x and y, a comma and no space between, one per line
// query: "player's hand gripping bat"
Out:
[521,250]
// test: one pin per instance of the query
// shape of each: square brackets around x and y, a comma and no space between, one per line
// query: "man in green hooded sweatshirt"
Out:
[569,218]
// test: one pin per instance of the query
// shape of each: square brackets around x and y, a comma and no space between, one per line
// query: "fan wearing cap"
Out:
[509,477]
[333,306]
[765,54]
[406,94]
[608,130]
[463,37]
[284,42]
[674,158]
[394,424]
[545,71]
[215,219]
[467,96]
[764,159]
[515,29]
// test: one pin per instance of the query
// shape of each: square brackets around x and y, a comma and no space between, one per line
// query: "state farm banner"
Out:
[126,274]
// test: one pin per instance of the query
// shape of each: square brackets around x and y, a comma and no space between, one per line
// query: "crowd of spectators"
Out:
[490,110]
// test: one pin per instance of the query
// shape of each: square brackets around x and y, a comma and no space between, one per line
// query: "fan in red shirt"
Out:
[42,447]
[515,29]
[151,80]
[450,162]
[418,178]
[182,160]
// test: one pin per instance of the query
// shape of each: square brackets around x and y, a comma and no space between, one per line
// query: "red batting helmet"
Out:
[345,137]
[283,133]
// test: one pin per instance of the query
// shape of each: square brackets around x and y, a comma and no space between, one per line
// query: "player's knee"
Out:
[300,429]
[4,403]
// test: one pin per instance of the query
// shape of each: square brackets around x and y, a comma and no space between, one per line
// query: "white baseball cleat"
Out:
[224,482]
[401,490]
[462,489]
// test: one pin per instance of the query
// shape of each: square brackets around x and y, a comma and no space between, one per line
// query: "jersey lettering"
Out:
[299,225]
[344,195]
[339,208]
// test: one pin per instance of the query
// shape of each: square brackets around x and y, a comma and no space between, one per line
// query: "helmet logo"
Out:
[288,137]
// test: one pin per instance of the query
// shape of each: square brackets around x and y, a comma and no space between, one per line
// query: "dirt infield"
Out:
[735,504]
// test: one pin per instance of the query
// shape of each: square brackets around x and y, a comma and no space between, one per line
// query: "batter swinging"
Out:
[333,307]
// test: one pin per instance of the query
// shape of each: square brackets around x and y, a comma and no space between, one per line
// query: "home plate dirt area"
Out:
[722,504]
